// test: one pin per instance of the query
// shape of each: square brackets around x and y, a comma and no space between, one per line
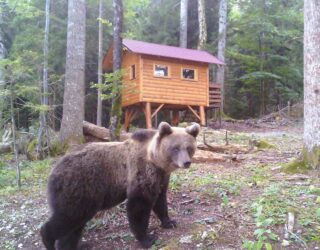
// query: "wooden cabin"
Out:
[165,77]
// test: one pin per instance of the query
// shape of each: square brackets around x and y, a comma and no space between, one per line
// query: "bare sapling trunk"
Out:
[312,83]
[74,89]
[184,23]
[100,58]
[222,45]
[202,24]
[115,115]
[43,134]
[14,137]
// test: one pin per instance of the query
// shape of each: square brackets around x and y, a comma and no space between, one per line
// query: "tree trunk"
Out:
[73,101]
[115,115]
[202,24]
[43,136]
[261,68]
[100,58]
[311,82]
[222,45]
[3,53]
[184,24]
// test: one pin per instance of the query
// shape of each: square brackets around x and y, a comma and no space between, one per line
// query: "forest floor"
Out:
[242,204]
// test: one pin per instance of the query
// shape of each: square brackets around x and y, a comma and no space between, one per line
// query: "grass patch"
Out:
[33,175]
[272,209]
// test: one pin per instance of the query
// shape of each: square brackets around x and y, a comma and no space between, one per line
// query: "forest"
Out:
[254,179]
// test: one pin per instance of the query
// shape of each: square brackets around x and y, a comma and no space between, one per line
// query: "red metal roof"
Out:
[170,51]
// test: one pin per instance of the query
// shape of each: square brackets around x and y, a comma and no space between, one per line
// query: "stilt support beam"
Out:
[157,110]
[194,112]
[148,115]
[202,116]
[175,118]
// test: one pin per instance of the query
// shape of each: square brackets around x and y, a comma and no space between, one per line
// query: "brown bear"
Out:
[102,175]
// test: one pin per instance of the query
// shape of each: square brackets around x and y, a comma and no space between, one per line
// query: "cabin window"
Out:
[161,70]
[189,74]
[133,72]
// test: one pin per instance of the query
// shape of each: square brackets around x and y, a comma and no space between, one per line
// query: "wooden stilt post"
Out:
[148,115]
[175,118]
[202,116]
[126,120]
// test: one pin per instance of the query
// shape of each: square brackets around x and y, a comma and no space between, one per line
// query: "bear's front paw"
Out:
[148,241]
[169,223]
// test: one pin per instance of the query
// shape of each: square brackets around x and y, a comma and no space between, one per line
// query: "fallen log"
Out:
[202,156]
[100,132]
[5,148]
[231,148]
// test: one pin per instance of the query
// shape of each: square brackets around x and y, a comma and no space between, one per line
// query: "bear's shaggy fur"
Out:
[102,175]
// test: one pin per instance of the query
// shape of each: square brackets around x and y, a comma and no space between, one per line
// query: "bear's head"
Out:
[173,147]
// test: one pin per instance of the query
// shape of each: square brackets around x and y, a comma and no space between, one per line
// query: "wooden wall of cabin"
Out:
[173,89]
[131,87]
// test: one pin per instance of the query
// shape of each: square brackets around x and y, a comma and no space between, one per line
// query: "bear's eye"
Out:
[175,149]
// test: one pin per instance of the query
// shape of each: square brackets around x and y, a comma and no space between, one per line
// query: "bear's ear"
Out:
[164,129]
[193,130]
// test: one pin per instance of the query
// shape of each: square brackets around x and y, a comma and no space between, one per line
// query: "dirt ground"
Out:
[232,204]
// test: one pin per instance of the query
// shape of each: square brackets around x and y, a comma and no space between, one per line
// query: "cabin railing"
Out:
[214,95]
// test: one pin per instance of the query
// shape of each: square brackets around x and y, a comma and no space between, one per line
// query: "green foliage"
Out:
[265,56]
[32,174]
[112,86]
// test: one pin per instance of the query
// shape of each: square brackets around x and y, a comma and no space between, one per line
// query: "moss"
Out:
[58,148]
[296,166]
[262,144]
[307,160]
[312,158]
[31,150]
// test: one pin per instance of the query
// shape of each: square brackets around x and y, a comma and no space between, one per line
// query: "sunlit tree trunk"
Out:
[312,82]
[43,136]
[202,24]
[100,58]
[184,23]
[222,45]
[115,115]
[73,101]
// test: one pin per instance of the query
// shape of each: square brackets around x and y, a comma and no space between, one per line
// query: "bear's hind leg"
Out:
[47,239]
[55,228]
[71,241]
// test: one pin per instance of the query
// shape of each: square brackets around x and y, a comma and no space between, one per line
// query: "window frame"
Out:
[164,65]
[195,74]
[131,72]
